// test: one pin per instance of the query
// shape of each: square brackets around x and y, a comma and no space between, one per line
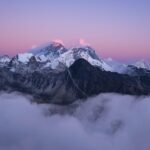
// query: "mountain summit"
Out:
[54,55]
[142,64]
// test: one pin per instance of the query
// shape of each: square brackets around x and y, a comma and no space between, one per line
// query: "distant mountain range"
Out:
[55,74]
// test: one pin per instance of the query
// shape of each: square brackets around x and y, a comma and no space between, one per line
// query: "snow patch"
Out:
[142,64]
[24,57]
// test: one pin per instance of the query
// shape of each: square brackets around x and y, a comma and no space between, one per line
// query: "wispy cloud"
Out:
[59,41]
[83,42]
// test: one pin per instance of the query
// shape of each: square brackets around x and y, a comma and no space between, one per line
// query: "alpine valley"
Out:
[54,74]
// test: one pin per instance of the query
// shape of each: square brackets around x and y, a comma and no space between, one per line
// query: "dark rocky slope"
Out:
[81,80]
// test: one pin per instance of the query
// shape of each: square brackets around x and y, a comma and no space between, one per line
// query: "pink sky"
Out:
[115,29]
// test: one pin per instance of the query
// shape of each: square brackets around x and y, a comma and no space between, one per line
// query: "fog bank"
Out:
[107,122]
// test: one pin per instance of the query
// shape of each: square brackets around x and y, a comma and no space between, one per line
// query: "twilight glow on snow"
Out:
[115,28]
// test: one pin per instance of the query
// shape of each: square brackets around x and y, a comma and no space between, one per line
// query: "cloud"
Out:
[83,42]
[33,46]
[59,41]
[107,122]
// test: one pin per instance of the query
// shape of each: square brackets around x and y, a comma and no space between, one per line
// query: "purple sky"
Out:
[115,28]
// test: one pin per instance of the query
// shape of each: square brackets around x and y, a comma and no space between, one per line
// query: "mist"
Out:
[107,122]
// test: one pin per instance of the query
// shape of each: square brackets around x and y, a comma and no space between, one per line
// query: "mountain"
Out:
[102,81]
[80,81]
[116,66]
[55,74]
[86,53]
[55,56]
[4,60]
[142,64]
[49,51]
[23,58]
[139,68]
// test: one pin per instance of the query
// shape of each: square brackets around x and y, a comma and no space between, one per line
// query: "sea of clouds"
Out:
[105,122]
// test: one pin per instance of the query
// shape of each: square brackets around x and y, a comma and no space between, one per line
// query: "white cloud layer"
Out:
[107,122]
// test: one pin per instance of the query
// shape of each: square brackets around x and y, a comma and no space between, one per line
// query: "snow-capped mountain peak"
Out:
[4,59]
[142,64]
[85,52]
[55,53]
[116,65]
[24,57]
[20,59]
[51,48]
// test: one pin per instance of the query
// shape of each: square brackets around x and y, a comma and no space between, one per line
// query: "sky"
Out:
[115,28]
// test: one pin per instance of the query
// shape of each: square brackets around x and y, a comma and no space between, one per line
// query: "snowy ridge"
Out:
[142,64]
[49,51]
[4,60]
[117,66]
[86,53]
[24,57]
[54,55]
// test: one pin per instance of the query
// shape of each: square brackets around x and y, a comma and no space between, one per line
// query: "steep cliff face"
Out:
[93,80]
